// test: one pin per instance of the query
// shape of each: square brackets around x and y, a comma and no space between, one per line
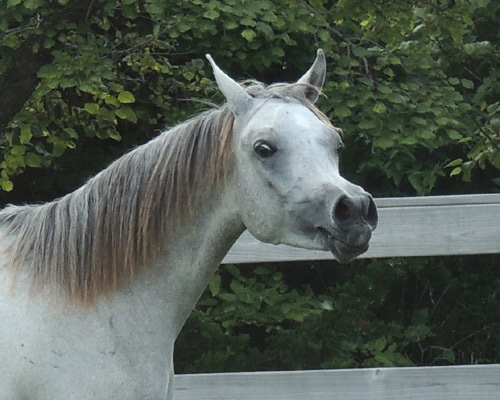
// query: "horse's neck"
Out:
[174,283]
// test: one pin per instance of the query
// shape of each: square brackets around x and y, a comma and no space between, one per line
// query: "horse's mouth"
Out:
[343,252]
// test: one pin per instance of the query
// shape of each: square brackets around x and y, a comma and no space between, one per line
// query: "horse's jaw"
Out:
[343,251]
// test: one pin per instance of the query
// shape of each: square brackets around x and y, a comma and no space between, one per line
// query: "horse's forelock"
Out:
[290,92]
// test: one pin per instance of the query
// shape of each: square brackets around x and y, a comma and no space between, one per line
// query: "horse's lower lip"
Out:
[342,251]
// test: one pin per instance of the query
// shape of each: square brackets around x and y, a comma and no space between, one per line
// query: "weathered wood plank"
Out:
[408,227]
[449,200]
[480,382]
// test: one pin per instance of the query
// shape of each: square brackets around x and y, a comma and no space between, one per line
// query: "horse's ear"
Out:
[238,100]
[314,78]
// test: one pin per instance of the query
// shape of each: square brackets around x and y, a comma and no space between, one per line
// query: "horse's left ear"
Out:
[314,77]
[238,100]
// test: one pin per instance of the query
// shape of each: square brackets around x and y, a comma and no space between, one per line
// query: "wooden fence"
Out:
[408,227]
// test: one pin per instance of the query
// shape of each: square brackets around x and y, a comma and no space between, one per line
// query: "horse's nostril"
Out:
[355,210]
[343,210]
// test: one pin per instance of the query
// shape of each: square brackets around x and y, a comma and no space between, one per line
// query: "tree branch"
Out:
[489,138]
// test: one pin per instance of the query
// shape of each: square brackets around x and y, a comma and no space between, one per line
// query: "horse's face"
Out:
[289,188]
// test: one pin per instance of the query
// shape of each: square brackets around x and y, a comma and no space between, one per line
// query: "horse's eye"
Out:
[264,149]
[340,147]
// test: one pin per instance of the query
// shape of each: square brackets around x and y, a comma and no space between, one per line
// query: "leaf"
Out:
[240,291]
[384,89]
[214,285]
[247,21]
[493,108]
[6,185]
[410,141]
[278,52]
[324,35]
[496,161]
[49,43]
[59,148]
[155,8]
[397,98]
[342,111]
[367,124]
[33,160]
[233,270]
[379,344]
[113,134]
[47,71]
[211,14]
[230,25]
[91,108]
[126,97]
[116,87]
[427,135]
[359,51]
[456,171]
[18,150]
[452,134]
[266,29]
[12,3]
[383,143]
[126,113]
[468,84]
[454,163]
[184,27]
[379,107]
[249,34]
[32,4]
[26,134]
[66,82]
[418,120]
[112,101]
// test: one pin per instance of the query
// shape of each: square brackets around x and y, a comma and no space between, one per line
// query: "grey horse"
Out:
[95,286]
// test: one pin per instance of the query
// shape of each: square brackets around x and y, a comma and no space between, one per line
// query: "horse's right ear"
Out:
[238,100]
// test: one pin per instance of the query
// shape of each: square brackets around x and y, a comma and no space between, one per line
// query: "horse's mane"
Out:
[91,239]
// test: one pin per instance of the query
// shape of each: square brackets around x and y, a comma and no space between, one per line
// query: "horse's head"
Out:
[287,164]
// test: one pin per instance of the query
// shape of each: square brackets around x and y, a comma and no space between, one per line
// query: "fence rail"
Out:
[420,226]
[481,382]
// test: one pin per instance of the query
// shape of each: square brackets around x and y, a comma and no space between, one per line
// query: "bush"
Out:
[379,313]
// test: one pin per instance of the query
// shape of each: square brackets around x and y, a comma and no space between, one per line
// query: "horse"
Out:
[96,285]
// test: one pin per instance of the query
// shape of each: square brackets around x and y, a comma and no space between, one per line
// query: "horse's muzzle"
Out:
[354,220]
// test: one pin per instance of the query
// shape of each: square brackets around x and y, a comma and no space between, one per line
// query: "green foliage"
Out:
[380,313]
[405,85]
[106,75]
